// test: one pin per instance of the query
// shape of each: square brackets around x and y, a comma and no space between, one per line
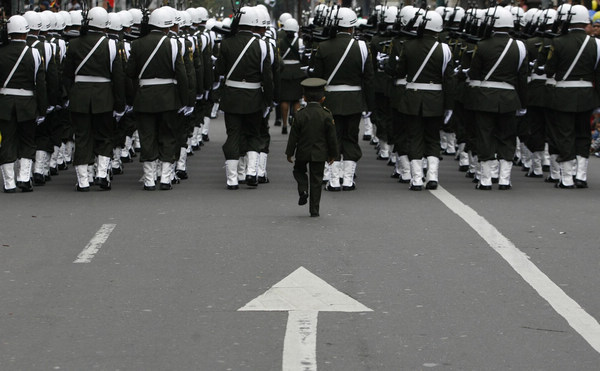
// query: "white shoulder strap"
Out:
[290,47]
[89,54]
[489,74]
[14,69]
[239,58]
[340,62]
[364,52]
[447,56]
[112,48]
[151,56]
[585,42]
[418,73]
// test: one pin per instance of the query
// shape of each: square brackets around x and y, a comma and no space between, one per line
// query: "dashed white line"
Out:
[90,250]
[586,325]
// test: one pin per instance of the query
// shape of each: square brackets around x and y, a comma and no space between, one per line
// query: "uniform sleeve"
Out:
[521,87]
[118,82]
[316,64]
[40,85]
[131,63]
[191,73]
[208,67]
[199,67]
[52,84]
[332,145]
[292,141]
[181,77]
[391,65]
[267,80]
[368,75]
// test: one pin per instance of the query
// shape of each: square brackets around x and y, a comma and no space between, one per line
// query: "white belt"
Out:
[535,76]
[157,81]
[290,61]
[421,86]
[574,84]
[242,84]
[342,88]
[491,84]
[399,82]
[17,92]
[82,78]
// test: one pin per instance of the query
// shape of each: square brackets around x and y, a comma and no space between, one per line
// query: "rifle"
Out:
[85,22]
[235,22]
[3,29]
[145,26]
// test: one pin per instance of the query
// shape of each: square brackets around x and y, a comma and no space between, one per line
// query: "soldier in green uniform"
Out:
[22,103]
[572,69]
[156,64]
[346,64]
[97,96]
[247,95]
[312,141]
[291,47]
[498,76]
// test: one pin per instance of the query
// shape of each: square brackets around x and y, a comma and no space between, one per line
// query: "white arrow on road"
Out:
[303,295]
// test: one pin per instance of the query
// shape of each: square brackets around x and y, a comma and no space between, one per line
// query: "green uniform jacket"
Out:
[29,75]
[254,67]
[355,70]
[512,69]
[204,42]
[438,70]
[187,51]
[562,53]
[167,63]
[292,53]
[313,136]
[537,83]
[49,65]
[88,97]
[381,81]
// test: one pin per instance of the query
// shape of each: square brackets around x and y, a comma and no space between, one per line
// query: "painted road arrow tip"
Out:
[303,291]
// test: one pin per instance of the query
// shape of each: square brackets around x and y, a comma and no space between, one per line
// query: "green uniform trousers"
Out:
[159,136]
[18,140]
[243,134]
[313,187]
[94,135]
[536,140]
[382,118]
[570,134]
[496,135]
[347,128]
[423,136]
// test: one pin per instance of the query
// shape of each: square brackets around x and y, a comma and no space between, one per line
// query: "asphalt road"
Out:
[163,291]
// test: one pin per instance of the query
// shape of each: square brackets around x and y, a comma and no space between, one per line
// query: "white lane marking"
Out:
[576,316]
[88,252]
[300,341]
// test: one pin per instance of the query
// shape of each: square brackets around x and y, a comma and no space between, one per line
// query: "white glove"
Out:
[57,108]
[216,85]
[187,111]
[40,119]
[128,109]
[181,109]
[521,112]
[447,116]
[275,104]
[367,114]
[266,112]
[206,92]
[118,115]
[49,109]
[199,96]
[66,105]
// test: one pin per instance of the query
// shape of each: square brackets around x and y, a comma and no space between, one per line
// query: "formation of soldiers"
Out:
[490,87]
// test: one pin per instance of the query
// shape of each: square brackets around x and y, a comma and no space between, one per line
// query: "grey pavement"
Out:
[163,291]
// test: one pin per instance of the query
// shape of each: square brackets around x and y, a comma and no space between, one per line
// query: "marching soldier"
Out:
[291,47]
[97,96]
[345,63]
[247,95]
[157,65]
[22,104]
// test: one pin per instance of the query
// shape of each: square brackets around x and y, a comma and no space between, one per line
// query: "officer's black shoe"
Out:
[303,198]
[373,142]
[284,130]
[395,175]
[381,158]
[416,188]
[132,152]
[117,171]
[10,190]
[96,181]
[251,180]
[524,168]
[205,138]
[47,178]
[349,188]
[483,187]
[175,180]
[550,179]
[166,186]
[38,179]
[581,183]
[329,188]
[463,168]
[105,184]
[263,180]
[137,149]
[495,180]
[469,175]
[546,168]
[63,166]
[432,184]
[126,159]
[391,163]
[195,148]
[25,186]
[233,187]
[149,188]
[181,174]
[277,123]
[314,215]
[54,171]
[403,181]
[504,187]
[82,189]
[561,185]
[475,180]
[201,144]
[534,175]
[366,138]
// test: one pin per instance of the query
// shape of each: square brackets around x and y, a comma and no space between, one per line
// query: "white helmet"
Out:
[390,14]
[548,16]
[98,17]
[33,19]
[137,15]
[291,25]
[17,24]
[454,14]
[563,11]
[53,19]
[211,23]
[115,22]
[264,19]
[76,17]
[195,15]
[249,16]
[226,22]
[46,22]
[346,18]
[517,13]
[407,13]
[320,9]
[162,18]
[66,18]
[580,15]
[175,16]
[187,18]
[284,17]
[502,17]
[434,21]
[203,14]
[529,16]
[442,10]
[61,22]
[126,18]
